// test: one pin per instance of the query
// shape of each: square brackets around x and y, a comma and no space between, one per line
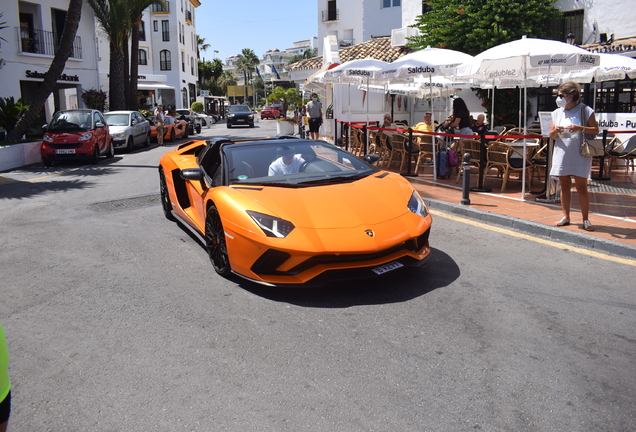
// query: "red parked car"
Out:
[269,112]
[76,134]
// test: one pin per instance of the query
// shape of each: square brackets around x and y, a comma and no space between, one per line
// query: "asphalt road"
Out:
[116,321]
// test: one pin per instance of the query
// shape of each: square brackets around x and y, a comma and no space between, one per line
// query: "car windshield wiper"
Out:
[336,179]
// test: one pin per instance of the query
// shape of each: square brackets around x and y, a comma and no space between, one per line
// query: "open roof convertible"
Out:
[285,212]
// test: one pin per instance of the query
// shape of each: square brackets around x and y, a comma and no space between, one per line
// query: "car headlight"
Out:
[230,115]
[119,135]
[250,116]
[86,137]
[47,138]
[272,226]
[416,205]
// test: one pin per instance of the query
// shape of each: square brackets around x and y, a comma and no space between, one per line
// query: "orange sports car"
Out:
[285,212]
[172,128]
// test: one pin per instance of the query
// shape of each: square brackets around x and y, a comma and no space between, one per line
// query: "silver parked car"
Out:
[128,128]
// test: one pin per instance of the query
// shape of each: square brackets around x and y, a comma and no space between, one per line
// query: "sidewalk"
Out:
[612,209]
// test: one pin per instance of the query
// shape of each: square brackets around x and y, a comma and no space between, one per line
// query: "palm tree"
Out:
[201,45]
[137,8]
[114,16]
[62,53]
[246,63]
[226,79]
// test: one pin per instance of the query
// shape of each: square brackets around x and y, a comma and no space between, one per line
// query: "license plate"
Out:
[240,120]
[65,151]
[387,267]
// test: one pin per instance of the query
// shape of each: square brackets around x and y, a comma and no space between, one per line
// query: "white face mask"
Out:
[561,102]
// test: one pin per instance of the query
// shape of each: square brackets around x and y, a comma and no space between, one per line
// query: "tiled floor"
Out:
[613,211]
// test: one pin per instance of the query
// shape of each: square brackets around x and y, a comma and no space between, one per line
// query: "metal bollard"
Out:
[466,182]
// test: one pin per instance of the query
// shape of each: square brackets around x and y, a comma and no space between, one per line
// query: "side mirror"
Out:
[45,127]
[192,174]
[371,158]
[133,122]
[100,125]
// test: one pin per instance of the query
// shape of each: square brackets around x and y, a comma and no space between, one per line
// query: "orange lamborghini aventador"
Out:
[293,212]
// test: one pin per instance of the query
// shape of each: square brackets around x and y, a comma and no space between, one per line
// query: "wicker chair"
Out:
[398,149]
[499,156]
[472,147]
[424,145]
[355,140]
[373,142]
[384,151]
[625,150]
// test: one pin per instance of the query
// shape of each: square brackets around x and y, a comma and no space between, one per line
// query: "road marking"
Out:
[546,242]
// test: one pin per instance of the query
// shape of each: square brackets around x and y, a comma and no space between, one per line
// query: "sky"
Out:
[231,25]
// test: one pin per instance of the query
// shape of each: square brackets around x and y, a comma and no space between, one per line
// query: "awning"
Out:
[154,86]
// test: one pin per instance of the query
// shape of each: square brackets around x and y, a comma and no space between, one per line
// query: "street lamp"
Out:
[570,38]
[215,53]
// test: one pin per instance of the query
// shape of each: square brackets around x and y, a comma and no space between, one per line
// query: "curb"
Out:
[535,228]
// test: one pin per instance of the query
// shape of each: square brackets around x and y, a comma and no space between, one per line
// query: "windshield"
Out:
[117,119]
[293,163]
[183,112]
[71,121]
[239,108]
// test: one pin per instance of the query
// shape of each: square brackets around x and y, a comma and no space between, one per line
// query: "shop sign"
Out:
[63,77]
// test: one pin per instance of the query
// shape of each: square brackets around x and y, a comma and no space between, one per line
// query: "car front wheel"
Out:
[110,153]
[95,157]
[165,197]
[129,144]
[215,242]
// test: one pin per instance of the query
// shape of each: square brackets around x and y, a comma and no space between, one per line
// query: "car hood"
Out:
[368,201]
[115,129]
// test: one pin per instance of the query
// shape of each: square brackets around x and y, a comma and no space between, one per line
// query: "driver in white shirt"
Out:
[287,163]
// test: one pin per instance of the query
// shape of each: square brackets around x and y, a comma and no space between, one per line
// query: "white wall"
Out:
[608,16]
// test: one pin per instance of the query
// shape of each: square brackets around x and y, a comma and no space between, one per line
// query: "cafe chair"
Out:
[472,147]
[398,149]
[384,151]
[506,159]
[424,147]
[625,150]
[355,140]
[373,147]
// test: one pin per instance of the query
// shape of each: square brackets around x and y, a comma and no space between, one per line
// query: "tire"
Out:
[251,125]
[147,140]
[229,126]
[165,197]
[95,157]
[198,128]
[130,144]
[47,162]
[215,242]
[110,153]
[171,135]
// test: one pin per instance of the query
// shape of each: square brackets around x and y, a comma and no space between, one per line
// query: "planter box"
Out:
[284,128]
[17,155]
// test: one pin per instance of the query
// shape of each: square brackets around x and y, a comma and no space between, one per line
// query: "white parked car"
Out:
[128,128]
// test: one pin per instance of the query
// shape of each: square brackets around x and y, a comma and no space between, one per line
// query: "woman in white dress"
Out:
[570,122]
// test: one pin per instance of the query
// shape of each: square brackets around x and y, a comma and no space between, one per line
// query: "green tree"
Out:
[62,53]
[136,9]
[287,97]
[307,54]
[475,26]
[201,45]
[246,63]
[10,112]
[226,79]
[114,16]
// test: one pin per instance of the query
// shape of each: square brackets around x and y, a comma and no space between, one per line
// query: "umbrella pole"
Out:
[525,149]
[433,138]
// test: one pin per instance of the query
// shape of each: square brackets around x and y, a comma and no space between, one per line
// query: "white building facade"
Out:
[168,65]
[31,40]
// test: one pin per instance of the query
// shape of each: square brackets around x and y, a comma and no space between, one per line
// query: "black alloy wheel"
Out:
[166,206]
[215,242]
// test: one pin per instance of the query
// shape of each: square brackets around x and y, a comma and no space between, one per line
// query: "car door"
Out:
[99,132]
[137,128]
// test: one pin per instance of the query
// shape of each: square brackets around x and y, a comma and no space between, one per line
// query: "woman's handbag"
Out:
[590,147]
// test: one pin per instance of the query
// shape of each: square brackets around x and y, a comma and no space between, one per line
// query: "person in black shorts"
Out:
[314,112]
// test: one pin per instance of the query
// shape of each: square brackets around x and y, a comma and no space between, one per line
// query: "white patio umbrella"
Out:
[356,72]
[526,60]
[422,64]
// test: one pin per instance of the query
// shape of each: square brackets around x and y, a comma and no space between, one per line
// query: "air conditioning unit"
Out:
[399,36]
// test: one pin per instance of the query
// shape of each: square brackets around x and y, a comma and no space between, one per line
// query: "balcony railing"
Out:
[159,8]
[188,16]
[44,42]
[330,15]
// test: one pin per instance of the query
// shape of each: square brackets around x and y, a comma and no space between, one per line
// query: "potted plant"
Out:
[285,126]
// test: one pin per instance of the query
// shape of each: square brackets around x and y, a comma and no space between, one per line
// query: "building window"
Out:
[159,8]
[142,31]
[155,25]
[572,22]
[165,30]
[164,60]
[390,3]
[143,57]
[192,65]
[331,14]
